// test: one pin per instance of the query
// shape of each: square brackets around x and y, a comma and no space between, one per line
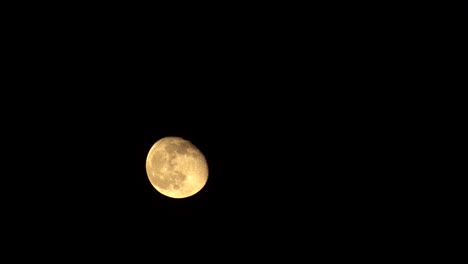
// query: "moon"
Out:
[176,168]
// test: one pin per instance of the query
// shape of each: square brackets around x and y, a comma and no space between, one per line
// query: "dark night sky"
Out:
[414,7]
[289,150]
[188,76]
[273,101]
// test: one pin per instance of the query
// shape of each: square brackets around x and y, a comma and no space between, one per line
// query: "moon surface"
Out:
[176,168]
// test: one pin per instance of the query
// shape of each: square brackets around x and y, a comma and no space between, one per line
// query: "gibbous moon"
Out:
[176,168]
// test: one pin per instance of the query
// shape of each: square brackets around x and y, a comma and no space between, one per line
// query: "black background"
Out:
[271,94]
[411,8]
[311,124]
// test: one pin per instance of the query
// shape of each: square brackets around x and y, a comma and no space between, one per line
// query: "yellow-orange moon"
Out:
[176,168]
